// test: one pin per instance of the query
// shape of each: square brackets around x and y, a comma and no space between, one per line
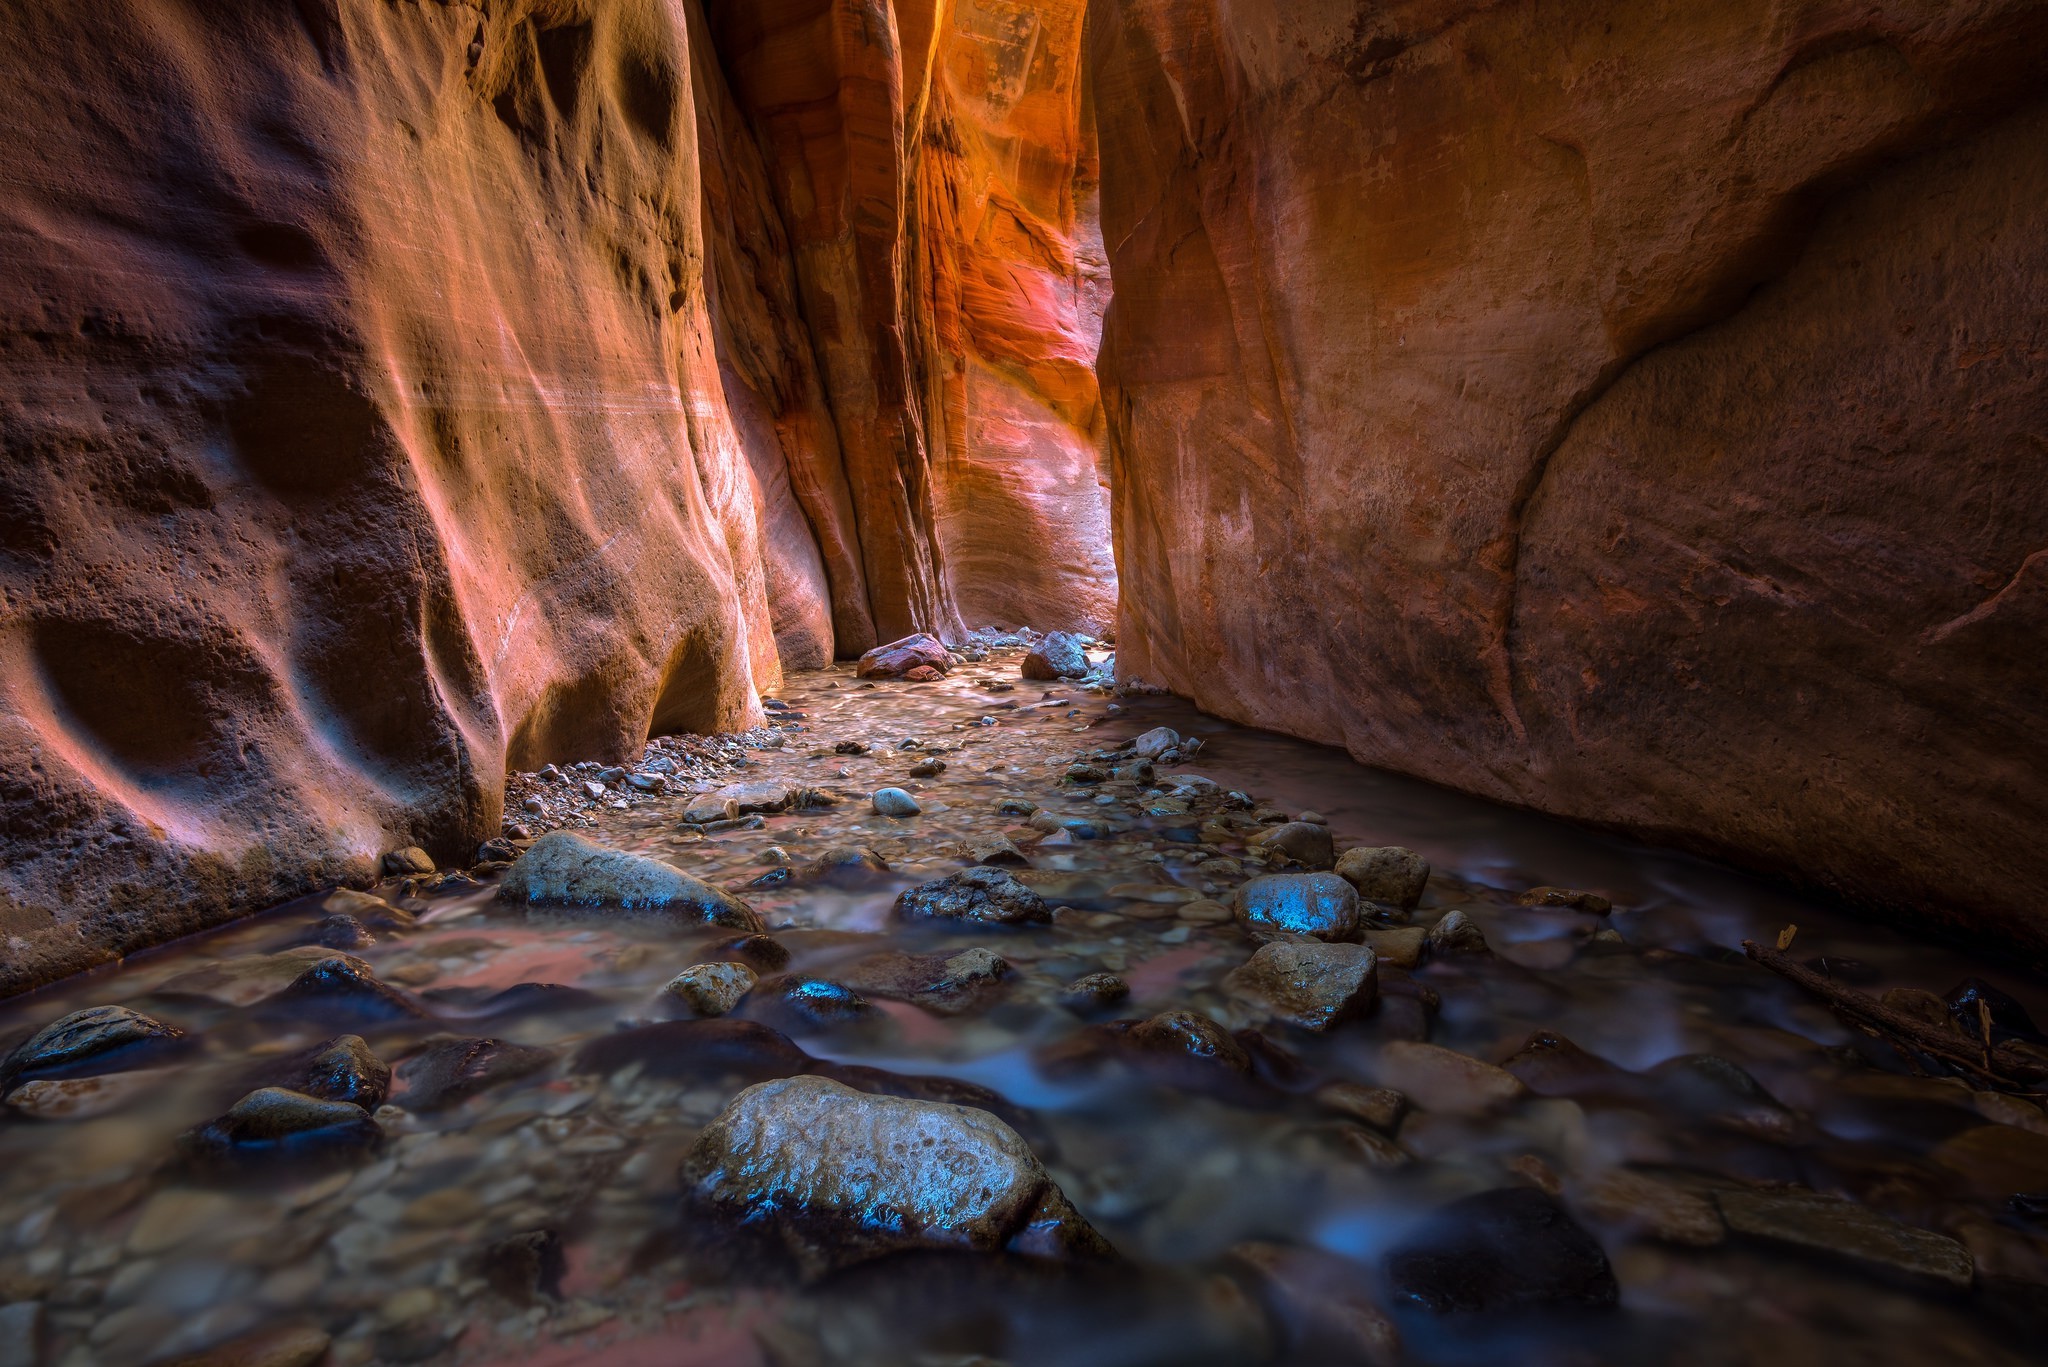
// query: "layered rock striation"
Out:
[1631,411]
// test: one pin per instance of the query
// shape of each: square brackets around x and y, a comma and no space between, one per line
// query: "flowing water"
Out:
[1767,1184]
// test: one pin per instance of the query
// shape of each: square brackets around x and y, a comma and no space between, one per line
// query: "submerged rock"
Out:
[526,1267]
[845,866]
[253,978]
[832,1177]
[450,1070]
[1095,989]
[951,983]
[1843,1229]
[1059,656]
[983,895]
[995,849]
[1566,897]
[1191,1039]
[410,862]
[1457,934]
[1317,904]
[1505,1250]
[1445,1080]
[1400,947]
[1303,842]
[1660,1209]
[342,987]
[568,873]
[96,1036]
[342,932]
[273,1125]
[1321,1304]
[800,1003]
[1309,985]
[711,989]
[706,1051]
[342,1069]
[1385,873]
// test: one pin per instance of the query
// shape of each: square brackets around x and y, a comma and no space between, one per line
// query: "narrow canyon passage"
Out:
[875,681]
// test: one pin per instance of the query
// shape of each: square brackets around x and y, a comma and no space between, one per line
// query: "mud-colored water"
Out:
[111,1253]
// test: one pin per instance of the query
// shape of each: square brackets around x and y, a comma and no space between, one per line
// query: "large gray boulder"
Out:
[568,873]
[834,1177]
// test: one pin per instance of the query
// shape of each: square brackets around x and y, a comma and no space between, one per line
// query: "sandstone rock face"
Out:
[1640,420]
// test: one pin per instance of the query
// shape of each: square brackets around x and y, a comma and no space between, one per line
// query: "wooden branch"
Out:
[2004,1067]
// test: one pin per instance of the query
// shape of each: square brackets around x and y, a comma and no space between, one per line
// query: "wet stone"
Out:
[1501,1251]
[1551,1065]
[1379,1107]
[410,862]
[80,1098]
[997,849]
[984,896]
[705,1051]
[1321,1304]
[1401,946]
[449,1070]
[1316,904]
[895,802]
[753,798]
[1095,990]
[1156,743]
[342,1069]
[1187,1037]
[710,809]
[899,658]
[342,932]
[711,989]
[831,1177]
[1970,1000]
[762,953]
[1312,986]
[1665,1212]
[1387,873]
[1841,1228]
[949,983]
[800,1003]
[567,873]
[1457,934]
[344,988]
[1299,841]
[273,1124]
[97,1038]
[845,866]
[1059,656]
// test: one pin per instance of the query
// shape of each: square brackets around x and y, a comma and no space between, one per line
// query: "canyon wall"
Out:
[1630,410]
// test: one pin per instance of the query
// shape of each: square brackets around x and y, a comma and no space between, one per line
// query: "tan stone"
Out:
[1440,1079]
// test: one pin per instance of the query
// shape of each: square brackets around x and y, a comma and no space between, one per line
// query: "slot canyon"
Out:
[800,682]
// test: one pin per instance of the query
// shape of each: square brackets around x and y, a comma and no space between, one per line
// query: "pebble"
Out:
[895,802]
[712,989]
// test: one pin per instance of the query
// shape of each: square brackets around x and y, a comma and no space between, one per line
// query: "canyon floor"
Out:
[1110,1101]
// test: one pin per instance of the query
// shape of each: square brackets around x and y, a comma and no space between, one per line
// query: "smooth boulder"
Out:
[832,1177]
[568,873]
[895,802]
[1316,904]
[88,1038]
[712,989]
[898,658]
[1059,656]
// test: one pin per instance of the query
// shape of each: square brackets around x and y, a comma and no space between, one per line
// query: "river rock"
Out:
[79,1098]
[1095,990]
[1318,904]
[803,1004]
[526,1267]
[1506,1250]
[761,797]
[343,933]
[448,1070]
[1190,1038]
[762,953]
[292,1345]
[895,802]
[951,983]
[1059,656]
[342,1069]
[845,866]
[410,862]
[1997,1161]
[1440,1079]
[273,1124]
[1385,873]
[567,873]
[2009,1019]
[1156,743]
[997,849]
[710,808]
[899,658]
[1666,1212]
[252,978]
[1710,1086]
[834,1177]
[343,987]
[1551,1065]
[1301,841]
[1833,1225]
[1310,985]
[709,1052]
[1400,947]
[1379,1107]
[712,989]
[982,895]
[1456,933]
[92,1038]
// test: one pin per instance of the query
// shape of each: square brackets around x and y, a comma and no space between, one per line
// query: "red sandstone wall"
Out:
[366,425]
[1630,410]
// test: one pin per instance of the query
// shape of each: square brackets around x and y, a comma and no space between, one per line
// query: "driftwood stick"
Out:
[2003,1067]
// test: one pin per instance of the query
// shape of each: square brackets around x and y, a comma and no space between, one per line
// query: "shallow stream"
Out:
[1765,1183]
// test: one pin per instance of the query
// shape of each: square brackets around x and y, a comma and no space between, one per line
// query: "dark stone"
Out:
[273,1126]
[763,953]
[1566,897]
[1059,656]
[1095,990]
[2009,1020]
[774,878]
[449,1070]
[950,983]
[799,1003]
[520,999]
[92,1040]
[524,1268]
[1185,1037]
[342,989]
[342,1069]
[1505,1250]
[1710,1086]
[983,895]
[1303,842]
[497,851]
[697,1051]
[847,866]
[1551,1065]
